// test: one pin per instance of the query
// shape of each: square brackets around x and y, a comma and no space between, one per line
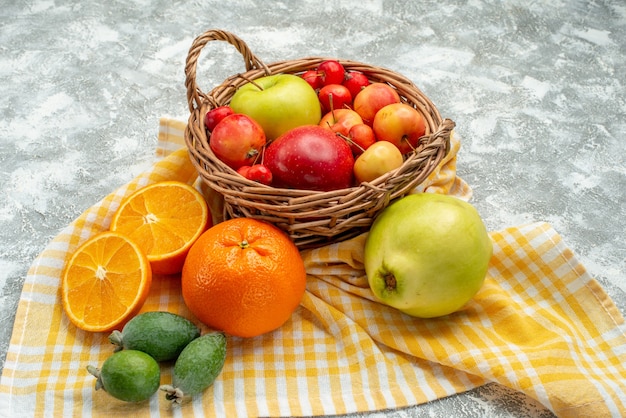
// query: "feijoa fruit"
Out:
[197,366]
[129,375]
[162,335]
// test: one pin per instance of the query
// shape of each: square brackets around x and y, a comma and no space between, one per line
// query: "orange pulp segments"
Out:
[164,219]
[105,282]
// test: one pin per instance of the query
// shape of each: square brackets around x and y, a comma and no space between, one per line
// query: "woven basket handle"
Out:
[194,94]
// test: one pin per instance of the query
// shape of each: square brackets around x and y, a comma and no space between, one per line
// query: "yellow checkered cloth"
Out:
[540,325]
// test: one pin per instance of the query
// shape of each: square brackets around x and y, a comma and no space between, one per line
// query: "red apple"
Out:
[360,137]
[334,96]
[259,173]
[340,120]
[373,98]
[313,78]
[243,170]
[355,82]
[400,124]
[331,72]
[215,115]
[237,140]
[310,158]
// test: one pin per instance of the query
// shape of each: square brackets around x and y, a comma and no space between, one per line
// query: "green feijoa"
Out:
[163,335]
[197,366]
[129,375]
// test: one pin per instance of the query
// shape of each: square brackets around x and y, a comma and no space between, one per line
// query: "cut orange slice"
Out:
[164,219]
[105,282]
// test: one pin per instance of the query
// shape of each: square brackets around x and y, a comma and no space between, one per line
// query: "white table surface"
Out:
[537,90]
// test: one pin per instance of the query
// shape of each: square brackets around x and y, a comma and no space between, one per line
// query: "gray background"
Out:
[536,88]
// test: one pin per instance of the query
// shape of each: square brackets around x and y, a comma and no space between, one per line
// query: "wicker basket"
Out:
[311,218]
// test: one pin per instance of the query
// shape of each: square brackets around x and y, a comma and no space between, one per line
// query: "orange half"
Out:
[105,282]
[164,219]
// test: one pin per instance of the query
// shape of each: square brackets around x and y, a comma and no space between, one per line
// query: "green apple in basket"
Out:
[427,254]
[278,103]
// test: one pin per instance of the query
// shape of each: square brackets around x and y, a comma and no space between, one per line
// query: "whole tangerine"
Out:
[244,277]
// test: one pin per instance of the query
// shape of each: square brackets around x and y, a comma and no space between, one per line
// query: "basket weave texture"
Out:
[310,218]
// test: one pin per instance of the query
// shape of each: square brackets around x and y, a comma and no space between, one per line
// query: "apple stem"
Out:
[249,80]
[390,281]
[257,154]
[349,140]
[405,138]
[332,110]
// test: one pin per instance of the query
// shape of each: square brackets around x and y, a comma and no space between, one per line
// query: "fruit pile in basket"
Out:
[340,140]
[323,130]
